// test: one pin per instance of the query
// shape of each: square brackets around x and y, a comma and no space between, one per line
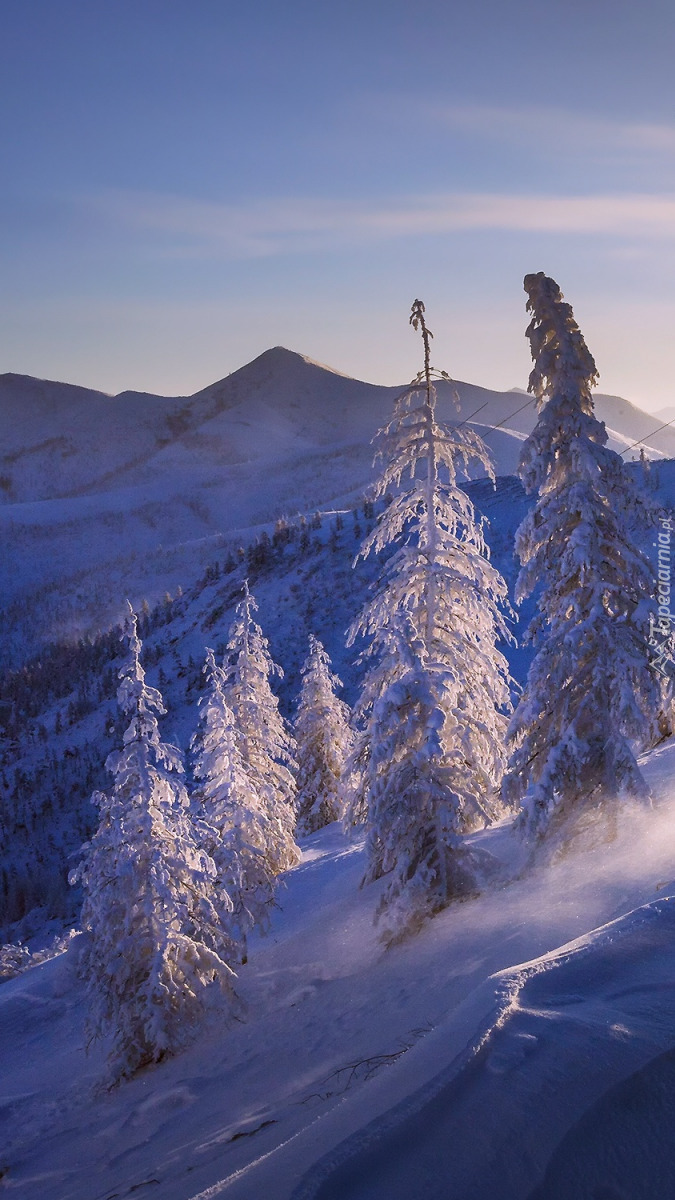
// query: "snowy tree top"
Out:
[246,636]
[143,704]
[562,359]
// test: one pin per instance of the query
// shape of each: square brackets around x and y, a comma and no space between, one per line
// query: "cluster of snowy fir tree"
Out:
[433,750]
[174,882]
[436,754]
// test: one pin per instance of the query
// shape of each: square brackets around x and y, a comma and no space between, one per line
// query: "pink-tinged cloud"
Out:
[262,228]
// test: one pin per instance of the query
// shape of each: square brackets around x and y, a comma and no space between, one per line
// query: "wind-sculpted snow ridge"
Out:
[569,1040]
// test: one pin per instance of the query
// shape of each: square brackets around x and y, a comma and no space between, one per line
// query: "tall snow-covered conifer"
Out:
[435,698]
[590,697]
[265,744]
[231,815]
[155,928]
[323,740]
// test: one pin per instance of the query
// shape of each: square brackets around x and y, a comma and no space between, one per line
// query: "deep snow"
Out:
[520,1024]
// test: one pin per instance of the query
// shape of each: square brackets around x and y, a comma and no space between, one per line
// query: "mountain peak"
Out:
[280,356]
[277,366]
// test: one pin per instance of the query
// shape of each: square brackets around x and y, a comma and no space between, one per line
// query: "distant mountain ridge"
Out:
[106,496]
[665,414]
[62,440]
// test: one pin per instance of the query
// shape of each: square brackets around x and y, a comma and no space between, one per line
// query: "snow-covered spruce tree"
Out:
[154,924]
[591,697]
[231,821]
[265,744]
[434,701]
[323,740]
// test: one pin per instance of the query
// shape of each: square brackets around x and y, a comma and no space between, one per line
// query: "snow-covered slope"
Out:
[482,1060]
[59,712]
[471,1063]
[103,497]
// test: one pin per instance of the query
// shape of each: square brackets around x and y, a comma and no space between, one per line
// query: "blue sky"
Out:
[185,185]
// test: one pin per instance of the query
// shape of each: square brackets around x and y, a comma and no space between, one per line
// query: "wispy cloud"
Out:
[555,128]
[183,227]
